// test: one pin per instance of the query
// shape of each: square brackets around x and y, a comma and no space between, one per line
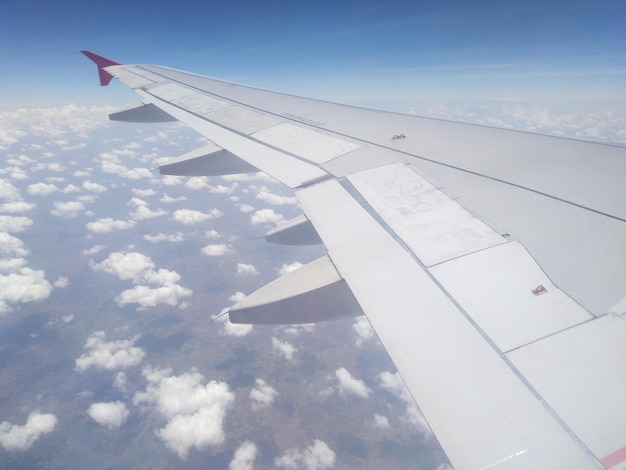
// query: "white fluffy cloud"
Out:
[264,194]
[14,224]
[262,394]
[67,209]
[283,348]
[108,224]
[112,415]
[413,417]
[62,282]
[219,249]
[41,189]
[363,330]
[15,437]
[110,355]
[315,457]
[232,329]
[25,285]
[348,385]
[244,269]
[381,421]
[265,216]
[191,217]
[162,237]
[141,270]
[287,268]
[94,187]
[194,410]
[244,457]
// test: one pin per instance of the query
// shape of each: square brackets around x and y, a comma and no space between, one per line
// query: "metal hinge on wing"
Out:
[210,160]
[312,293]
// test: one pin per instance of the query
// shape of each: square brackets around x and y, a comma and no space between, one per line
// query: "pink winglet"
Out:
[101,62]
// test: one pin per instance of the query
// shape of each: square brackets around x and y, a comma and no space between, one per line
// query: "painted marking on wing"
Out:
[614,458]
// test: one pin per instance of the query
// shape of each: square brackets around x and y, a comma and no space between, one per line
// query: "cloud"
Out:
[41,189]
[262,394]
[315,457]
[93,250]
[144,212]
[348,385]
[94,187]
[287,268]
[169,199]
[190,216]
[112,414]
[15,437]
[25,285]
[124,172]
[110,355]
[107,225]
[62,282]
[394,383]
[12,246]
[265,216]
[244,457]
[381,421]
[245,208]
[144,192]
[244,269]
[141,270]
[16,206]
[67,209]
[14,224]
[162,237]
[232,329]
[284,348]
[363,330]
[194,410]
[217,250]
[264,194]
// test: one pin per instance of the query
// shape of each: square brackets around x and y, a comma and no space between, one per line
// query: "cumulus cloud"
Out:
[162,237]
[315,457]
[25,285]
[93,250]
[245,208]
[394,383]
[244,457]
[110,355]
[287,268]
[144,192]
[381,421]
[169,199]
[265,216]
[14,437]
[144,212]
[108,224]
[264,194]
[348,385]
[244,269]
[112,415]
[14,207]
[191,217]
[194,410]
[217,250]
[67,209]
[113,167]
[94,187]
[232,329]
[363,330]
[62,282]
[41,189]
[141,270]
[14,224]
[262,394]
[283,348]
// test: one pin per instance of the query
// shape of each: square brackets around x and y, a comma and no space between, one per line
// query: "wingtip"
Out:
[101,62]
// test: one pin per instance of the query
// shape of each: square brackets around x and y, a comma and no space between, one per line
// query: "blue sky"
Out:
[355,51]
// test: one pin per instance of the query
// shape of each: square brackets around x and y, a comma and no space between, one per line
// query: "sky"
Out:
[111,274]
[375,52]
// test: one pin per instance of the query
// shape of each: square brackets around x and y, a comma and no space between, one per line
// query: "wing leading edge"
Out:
[473,252]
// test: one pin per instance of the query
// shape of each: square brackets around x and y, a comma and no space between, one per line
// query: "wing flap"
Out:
[209,160]
[463,386]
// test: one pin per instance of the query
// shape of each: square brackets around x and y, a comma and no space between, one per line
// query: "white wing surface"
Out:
[491,263]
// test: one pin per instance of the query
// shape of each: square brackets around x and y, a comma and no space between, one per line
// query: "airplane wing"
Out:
[491,263]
